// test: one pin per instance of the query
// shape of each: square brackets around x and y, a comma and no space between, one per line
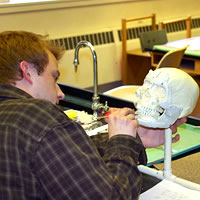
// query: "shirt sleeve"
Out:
[100,140]
[68,165]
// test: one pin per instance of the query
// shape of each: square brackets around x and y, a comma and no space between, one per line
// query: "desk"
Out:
[191,60]
[139,63]
[188,64]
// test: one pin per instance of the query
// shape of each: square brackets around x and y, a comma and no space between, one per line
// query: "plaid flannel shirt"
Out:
[45,155]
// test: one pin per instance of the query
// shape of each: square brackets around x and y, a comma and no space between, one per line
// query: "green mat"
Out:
[190,140]
[166,48]
[192,50]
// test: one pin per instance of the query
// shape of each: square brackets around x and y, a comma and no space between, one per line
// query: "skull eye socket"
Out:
[142,90]
[159,92]
[153,90]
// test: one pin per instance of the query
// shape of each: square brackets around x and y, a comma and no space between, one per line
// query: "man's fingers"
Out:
[123,112]
[176,138]
[178,123]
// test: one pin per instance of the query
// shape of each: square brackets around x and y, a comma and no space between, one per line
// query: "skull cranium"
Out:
[166,95]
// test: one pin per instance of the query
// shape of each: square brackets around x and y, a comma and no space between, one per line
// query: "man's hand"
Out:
[121,121]
[152,137]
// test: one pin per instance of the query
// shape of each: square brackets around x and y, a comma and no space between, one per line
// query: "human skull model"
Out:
[166,95]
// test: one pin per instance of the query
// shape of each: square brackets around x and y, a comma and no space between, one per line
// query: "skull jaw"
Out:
[154,124]
[169,117]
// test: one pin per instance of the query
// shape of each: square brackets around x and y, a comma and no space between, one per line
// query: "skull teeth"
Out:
[149,112]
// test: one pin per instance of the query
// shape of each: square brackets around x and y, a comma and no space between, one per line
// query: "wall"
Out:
[72,20]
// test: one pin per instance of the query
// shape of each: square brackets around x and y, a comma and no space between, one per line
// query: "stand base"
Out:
[160,175]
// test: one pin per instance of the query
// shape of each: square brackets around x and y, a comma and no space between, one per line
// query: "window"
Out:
[22,1]
[14,6]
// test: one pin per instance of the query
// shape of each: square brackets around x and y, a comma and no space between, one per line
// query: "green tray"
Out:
[190,140]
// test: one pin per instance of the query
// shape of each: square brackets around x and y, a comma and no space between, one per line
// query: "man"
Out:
[46,155]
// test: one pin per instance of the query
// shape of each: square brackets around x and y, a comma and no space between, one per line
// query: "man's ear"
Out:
[26,68]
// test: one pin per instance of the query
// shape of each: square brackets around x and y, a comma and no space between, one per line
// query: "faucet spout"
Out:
[96,106]
[76,62]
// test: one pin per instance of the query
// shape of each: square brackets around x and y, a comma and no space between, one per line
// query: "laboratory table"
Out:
[80,99]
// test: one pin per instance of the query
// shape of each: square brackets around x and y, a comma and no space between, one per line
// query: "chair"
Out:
[186,20]
[124,37]
[172,58]
[151,38]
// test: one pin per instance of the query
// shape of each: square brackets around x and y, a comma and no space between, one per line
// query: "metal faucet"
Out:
[98,109]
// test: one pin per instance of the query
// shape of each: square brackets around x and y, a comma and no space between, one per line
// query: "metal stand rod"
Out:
[167,172]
